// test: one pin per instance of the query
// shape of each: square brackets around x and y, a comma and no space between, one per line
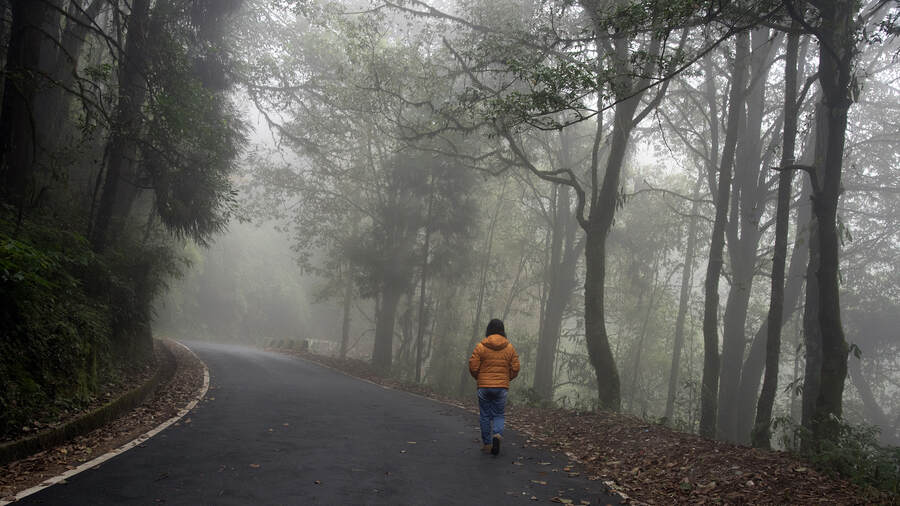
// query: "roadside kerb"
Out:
[131,444]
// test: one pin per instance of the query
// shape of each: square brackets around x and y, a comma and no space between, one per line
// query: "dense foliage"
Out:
[119,137]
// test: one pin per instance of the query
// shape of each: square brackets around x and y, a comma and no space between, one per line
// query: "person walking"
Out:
[494,362]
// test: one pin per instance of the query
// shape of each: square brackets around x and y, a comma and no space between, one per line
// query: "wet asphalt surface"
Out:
[279,430]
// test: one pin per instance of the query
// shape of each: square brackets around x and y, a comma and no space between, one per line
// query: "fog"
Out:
[416,169]
[413,177]
[684,217]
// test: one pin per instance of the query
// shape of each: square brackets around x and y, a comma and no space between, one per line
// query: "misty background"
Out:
[684,211]
[306,262]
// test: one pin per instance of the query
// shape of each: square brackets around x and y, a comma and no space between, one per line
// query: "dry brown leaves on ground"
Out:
[652,464]
[164,404]
[656,465]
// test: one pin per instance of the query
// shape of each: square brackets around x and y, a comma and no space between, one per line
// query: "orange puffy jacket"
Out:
[494,362]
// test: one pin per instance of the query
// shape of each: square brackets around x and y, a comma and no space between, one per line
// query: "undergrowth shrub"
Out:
[71,322]
[853,454]
[55,342]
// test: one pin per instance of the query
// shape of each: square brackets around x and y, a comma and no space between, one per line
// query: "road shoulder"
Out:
[171,401]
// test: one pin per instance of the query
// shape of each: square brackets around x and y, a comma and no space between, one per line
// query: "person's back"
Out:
[495,356]
[493,363]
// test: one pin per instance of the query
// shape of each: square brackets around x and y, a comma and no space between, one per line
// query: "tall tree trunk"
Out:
[600,222]
[347,306]
[6,14]
[812,338]
[710,382]
[754,364]
[597,339]
[812,335]
[402,358]
[733,338]
[549,323]
[837,37]
[683,299]
[382,353]
[795,395]
[601,215]
[874,414]
[420,330]
[752,370]
[563,259]
[604,197]
[54,108]
[748,199]
[639,346]
[761,437]
[121,148]
[18,131]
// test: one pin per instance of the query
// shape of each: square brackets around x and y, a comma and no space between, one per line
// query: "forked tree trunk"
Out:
[837,37]
[600,220]
[66,54]
[754,364]
[561,281]
[710,383]
[604,197]
[122,149]
[761,437]
[749,193]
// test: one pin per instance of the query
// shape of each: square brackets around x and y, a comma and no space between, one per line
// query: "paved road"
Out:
[278,430]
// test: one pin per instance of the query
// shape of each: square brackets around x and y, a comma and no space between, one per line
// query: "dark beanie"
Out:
[495,327]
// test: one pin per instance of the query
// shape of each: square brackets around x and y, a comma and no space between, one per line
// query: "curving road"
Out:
[278,430]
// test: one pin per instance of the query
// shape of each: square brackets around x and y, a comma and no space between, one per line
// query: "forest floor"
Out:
[648,463]
[164,404]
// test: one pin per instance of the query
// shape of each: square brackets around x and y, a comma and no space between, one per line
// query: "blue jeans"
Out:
[491,403]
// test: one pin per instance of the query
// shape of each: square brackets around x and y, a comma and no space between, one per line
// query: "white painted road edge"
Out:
[125,447]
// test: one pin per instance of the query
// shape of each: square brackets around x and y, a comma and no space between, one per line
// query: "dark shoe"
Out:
[495,444]
[485,448]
